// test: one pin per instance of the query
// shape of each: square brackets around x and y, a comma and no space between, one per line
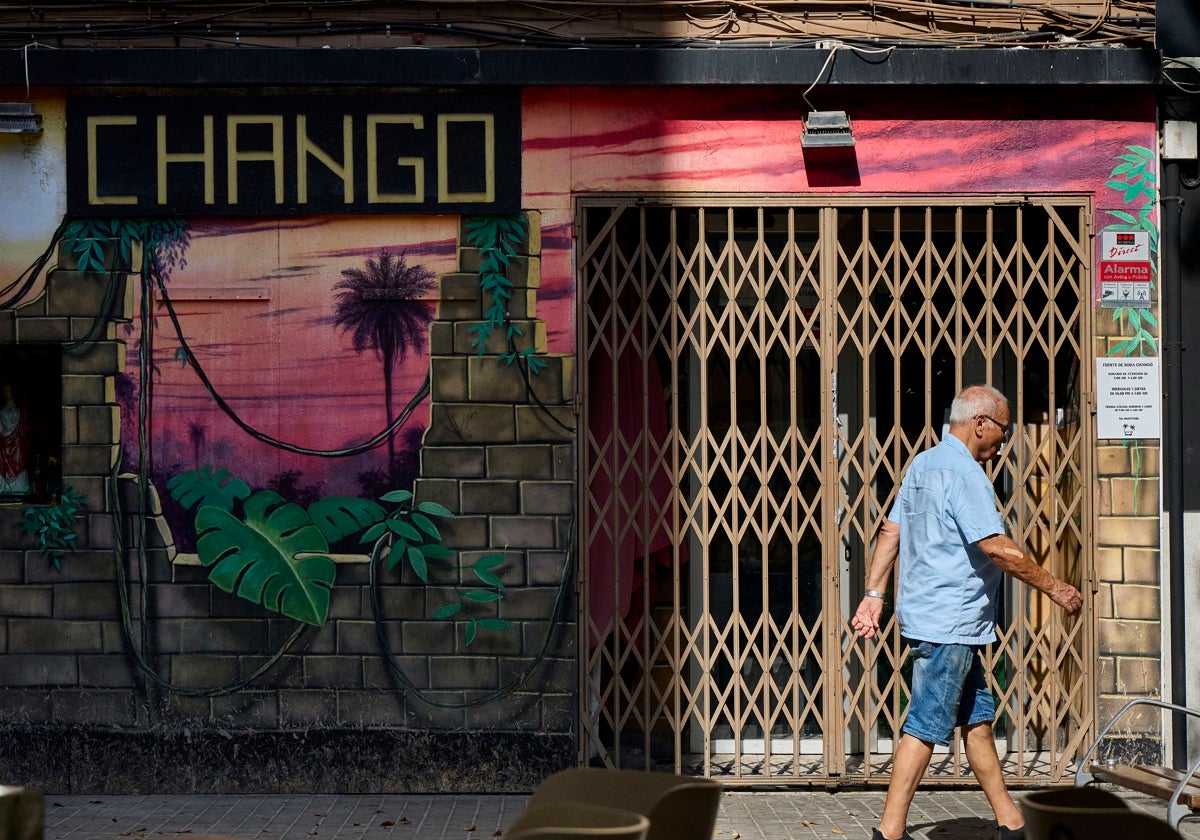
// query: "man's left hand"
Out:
[866,618]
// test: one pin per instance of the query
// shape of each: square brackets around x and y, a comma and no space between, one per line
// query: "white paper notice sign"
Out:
[1128,398]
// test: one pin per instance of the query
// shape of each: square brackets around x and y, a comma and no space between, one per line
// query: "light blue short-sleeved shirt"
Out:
[947,586]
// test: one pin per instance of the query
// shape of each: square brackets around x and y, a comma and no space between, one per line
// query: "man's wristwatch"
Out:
[874,593]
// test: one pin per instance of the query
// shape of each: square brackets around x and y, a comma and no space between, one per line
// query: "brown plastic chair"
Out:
[22,813]
[567,820]
[1087,814]
[678,807]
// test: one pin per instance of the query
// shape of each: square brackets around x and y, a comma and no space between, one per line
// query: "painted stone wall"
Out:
[125,665]
[258,311]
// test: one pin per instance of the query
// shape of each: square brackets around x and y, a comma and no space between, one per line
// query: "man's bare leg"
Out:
[908,766]
[985,764]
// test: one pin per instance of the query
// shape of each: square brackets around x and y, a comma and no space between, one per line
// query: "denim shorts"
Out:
[948,690]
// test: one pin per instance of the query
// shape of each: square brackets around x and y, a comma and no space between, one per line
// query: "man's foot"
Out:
[1003,832]
[876,834]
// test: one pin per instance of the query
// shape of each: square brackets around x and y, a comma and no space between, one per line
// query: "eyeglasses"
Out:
[1006,428]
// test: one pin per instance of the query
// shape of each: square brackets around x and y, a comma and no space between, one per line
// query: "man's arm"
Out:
[887,548]
[1008,556]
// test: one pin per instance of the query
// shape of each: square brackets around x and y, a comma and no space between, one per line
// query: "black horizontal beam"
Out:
[465,67]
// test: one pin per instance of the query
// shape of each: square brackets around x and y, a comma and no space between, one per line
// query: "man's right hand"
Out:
[866,618]
[1067,597]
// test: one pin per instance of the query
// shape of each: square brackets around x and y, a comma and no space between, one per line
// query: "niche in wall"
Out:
[30,423]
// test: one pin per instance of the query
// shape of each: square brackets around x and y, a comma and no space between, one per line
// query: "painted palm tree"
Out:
[382,305]
[197,436]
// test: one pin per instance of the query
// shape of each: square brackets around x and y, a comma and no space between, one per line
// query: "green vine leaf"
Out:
[426,524]
[396,553]
[415,538]
[434,509]
[436,551]
[53,526]
[206,488]
[374,532]
[1135,180]
[448,610]
[417,560]
[164,240]
[482,569]
[497,238]
[403,529]
[489,561]
[341,516]
[487,577]
[260,559]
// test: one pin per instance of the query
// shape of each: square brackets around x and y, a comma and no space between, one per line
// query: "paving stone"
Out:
[937,813]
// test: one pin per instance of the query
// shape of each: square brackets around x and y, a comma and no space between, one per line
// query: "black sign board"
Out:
[262,155]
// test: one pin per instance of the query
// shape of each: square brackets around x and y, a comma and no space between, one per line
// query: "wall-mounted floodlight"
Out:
[19,118]
[826,128]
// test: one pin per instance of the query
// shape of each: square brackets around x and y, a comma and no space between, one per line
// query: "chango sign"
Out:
[253,154]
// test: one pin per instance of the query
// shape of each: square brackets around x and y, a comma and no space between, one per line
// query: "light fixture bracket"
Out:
[19,118]
[827,128]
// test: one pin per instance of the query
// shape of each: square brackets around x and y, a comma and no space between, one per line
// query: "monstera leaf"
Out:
[257,559]
[204,488]
[341,516]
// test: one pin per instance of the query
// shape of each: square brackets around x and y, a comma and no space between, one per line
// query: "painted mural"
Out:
[282,374]
[747,142]
[309,334]
[289,357]
[652,140]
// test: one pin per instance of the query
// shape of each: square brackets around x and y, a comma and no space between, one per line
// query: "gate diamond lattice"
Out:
[757,379]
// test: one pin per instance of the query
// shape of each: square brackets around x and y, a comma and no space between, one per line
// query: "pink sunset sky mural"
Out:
[256,302]
[256,298]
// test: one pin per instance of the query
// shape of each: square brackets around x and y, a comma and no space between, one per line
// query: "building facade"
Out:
[431,403]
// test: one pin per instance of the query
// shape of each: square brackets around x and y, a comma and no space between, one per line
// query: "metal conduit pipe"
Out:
[1172,347]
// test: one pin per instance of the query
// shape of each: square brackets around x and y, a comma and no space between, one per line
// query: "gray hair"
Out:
[975,400]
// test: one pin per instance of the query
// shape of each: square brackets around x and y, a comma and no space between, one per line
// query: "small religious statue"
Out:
[14,445]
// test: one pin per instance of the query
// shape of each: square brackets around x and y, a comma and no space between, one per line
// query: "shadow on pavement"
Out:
[955,828]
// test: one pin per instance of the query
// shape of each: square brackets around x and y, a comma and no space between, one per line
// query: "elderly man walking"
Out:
[949,537]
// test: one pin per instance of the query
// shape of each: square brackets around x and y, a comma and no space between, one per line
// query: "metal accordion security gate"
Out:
[755,377]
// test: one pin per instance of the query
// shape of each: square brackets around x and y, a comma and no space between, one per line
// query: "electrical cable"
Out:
[376,440]
[1003,22]
[139,652]
[26,279]
[409,688]
[100,317]
[139,645]
[531,394]
[1172,62]
[828,61]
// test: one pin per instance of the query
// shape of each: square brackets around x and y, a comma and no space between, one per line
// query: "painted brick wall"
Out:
[499,454]
[1127,568]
